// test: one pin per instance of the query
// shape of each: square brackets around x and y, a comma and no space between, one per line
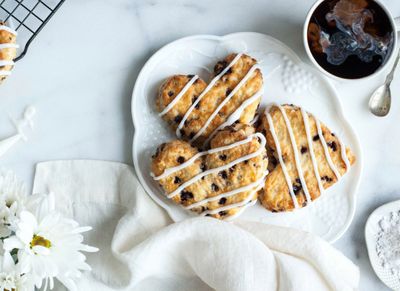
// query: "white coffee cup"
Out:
[395,22]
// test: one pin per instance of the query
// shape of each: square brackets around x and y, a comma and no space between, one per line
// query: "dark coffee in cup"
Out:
[350,39]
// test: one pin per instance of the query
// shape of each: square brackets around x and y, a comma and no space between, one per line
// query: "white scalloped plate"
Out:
[330,215]
[371,231]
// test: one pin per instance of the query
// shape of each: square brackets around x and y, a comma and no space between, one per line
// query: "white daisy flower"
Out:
[10,276]
[13,200]
[11,195]
[49,246]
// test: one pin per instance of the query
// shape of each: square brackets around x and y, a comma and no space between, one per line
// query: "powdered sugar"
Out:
[388,243]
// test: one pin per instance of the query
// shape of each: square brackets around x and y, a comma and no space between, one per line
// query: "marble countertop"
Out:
[81,69]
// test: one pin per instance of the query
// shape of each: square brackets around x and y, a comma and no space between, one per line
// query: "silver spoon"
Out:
[379,103]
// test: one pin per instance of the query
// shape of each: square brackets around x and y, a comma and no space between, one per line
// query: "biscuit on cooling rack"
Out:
[8,50]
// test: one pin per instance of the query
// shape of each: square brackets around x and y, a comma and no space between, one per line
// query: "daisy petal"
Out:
[46,281]
[41,250]
[85,267]
[29,219]
[24,233]
[82,229]
[89,249]
[8,262]
[12,243]
[68,282]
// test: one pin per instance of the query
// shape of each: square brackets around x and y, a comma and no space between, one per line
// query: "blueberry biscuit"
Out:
[306,158]
[196,110]
[8,50]
[220,182]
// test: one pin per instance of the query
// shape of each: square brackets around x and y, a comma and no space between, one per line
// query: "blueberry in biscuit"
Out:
[306,157]
[220,182]
[197,110]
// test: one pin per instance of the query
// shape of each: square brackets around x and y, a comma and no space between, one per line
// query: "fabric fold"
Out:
[142,249]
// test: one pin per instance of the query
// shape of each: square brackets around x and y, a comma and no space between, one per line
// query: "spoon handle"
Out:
[389,77]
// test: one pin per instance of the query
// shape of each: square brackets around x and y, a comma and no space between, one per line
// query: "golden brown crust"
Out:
[168,91]
[212,99]
[175,152]
[275,195]
[7,54]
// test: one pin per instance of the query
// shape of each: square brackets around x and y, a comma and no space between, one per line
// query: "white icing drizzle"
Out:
[6,28]
[236,115]
[240,211]
[6,63]
[344,154]
[295,152]
[311,150]
[172,170]
[209,86]
[242,203]
[222,104]
[5,73]
[326,150]
[179,96]
[230,193]
[281,162]
[8,45]
[255,119]
[203,68]
[199,52]
[221,168]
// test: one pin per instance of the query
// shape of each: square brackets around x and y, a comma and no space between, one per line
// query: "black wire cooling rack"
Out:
[28,17]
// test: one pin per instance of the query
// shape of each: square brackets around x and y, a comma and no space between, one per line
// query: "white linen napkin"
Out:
[141,249]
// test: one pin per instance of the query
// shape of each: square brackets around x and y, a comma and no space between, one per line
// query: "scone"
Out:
[197,110]
[8,50]
[220,182]
[305,158]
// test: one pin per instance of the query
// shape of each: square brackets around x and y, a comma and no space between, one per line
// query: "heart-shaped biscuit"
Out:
[196,111]
[305,158]
[220,182]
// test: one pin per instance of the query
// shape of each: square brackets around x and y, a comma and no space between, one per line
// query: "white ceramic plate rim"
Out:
[339,107]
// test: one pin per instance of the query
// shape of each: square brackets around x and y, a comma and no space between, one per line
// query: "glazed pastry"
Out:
[306,158]
[220,182]
[196,110]
[8,50]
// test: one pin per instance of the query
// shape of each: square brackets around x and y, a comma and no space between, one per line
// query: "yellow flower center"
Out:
[38,240]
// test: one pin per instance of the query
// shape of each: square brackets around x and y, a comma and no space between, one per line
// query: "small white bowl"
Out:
[372,229]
